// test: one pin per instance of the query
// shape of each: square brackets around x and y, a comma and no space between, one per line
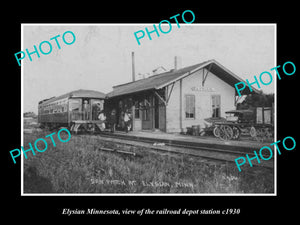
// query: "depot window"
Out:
[216,106]
[190,106]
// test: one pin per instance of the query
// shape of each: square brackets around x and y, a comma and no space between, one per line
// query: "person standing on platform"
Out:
[102,119]
[113,121]
[127,121]
[86,110]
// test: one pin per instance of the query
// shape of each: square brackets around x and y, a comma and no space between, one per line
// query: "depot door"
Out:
[147,114]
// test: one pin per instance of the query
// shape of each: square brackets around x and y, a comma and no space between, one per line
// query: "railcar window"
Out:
[75,109]
[74,105]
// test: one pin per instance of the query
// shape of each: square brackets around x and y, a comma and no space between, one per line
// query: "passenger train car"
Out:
[78,110]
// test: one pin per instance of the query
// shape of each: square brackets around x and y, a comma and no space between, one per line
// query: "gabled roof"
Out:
[76,94]
[161,80]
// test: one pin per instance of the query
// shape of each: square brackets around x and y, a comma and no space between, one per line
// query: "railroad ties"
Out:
[214,153]
[118,151]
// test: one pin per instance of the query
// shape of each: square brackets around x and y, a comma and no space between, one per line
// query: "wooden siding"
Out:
[175,112]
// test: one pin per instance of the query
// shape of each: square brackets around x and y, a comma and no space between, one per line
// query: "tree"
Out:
[29,114]
[256,100]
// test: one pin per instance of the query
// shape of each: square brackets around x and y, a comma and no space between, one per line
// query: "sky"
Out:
[100,57]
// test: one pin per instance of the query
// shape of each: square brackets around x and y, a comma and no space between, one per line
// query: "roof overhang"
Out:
[75,94]
[211,65]
[221,72]
[130,94]
[230,78]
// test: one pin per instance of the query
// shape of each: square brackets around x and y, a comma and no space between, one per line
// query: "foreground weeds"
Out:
[79,167]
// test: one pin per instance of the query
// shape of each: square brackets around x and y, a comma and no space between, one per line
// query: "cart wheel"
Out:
[226,132]
[253,132]
[223,135]
[216,131]
[236,133]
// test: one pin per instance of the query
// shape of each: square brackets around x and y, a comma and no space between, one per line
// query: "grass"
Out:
[78,167]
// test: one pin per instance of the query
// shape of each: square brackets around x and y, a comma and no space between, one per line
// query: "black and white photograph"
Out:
[131,109]
[137,112]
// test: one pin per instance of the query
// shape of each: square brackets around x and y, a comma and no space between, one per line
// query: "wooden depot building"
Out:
[180,98]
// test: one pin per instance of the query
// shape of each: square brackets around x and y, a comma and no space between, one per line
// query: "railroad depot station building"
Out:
[180,98]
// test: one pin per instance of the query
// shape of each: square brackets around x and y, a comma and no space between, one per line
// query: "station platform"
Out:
[159,136]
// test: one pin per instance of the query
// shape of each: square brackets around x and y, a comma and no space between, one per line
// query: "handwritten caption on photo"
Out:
[142,182]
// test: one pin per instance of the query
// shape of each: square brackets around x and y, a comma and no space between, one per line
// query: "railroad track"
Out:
[208,152]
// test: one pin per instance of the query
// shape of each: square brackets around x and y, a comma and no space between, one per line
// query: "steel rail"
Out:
[180,149]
